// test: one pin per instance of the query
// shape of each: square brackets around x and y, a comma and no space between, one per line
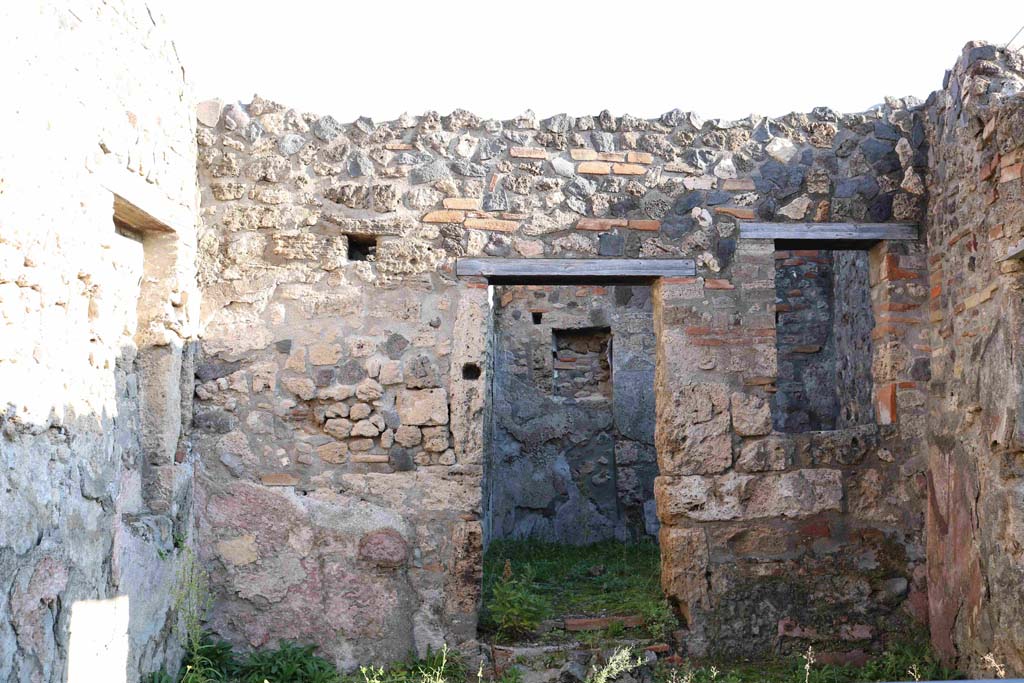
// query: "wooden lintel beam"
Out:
[141,205]
[568,271]
[826,232]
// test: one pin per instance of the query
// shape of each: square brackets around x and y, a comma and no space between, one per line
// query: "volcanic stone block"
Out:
[764,455]
[706,448]
[684,567]
[743,496]
[423,406]
[751,415]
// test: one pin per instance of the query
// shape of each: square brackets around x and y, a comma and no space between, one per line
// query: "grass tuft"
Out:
[528,581]
[904,661]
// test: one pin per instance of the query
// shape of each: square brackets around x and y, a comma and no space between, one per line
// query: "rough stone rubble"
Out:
[296,384]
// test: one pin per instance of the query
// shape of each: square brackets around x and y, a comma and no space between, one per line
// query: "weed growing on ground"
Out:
[618,664]
[514,607]
[441,666]
[899,662]
[992,664]
[290,663]
[608,578]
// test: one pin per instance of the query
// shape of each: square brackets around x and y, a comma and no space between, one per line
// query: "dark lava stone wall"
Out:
[824,323]
[571,455]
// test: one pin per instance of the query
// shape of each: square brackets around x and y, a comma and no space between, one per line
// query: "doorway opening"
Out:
[570,523]
[824,321]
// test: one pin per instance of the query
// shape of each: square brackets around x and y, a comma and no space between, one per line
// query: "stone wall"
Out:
[342,400]
[975,435]
[571,455]
[774,540]
[93,320]
[337,407]
[853,323]
[805,396]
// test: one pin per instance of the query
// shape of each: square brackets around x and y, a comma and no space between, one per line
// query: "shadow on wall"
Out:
[87,571]
[571,453]
[93,520]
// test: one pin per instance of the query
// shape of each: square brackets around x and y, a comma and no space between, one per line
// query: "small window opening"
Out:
[537,316]
[470,371]
[362,247]
[823,324]
[582,362]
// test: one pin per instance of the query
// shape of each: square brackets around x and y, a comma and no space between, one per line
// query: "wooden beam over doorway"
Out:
[570,271]
[846,235]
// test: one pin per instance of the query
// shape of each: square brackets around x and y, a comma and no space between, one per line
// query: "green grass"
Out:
[553,580]
[443,666]
[215,662]
[904,661]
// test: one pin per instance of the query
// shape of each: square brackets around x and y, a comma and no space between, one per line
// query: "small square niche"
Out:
[582,364]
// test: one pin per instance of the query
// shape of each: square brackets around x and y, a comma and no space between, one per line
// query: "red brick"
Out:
[628,169]
[594,168]
[957,237]
[885,402]
[651,226]
[881,331]
[1010,173]
[989,169]
[492,224]
[713,283]
[601,223]
[736,212]
[444,216]
[583,154]
[279,479]
[467,203]
[892,271]
[639,157]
